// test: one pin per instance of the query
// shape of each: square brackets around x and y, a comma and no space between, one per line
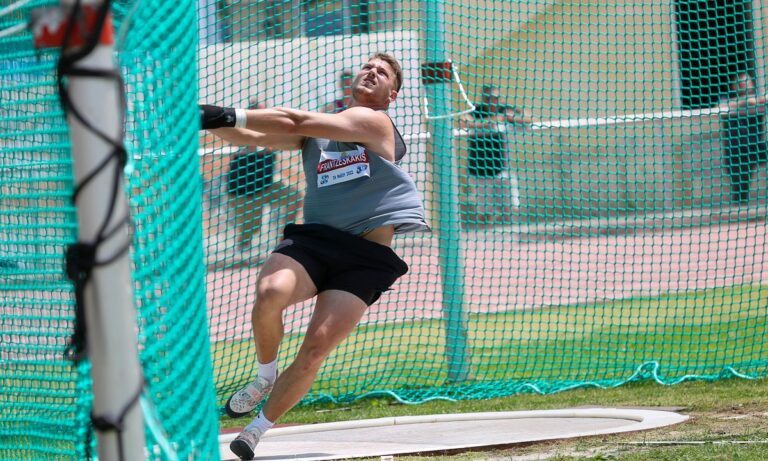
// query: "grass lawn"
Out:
[677,336]
[668,338]
[639,342]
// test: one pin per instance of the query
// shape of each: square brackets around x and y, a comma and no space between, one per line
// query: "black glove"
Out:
[216,117]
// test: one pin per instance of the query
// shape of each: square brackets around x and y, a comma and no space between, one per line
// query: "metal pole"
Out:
[447,220]
[109,311]
[759,45]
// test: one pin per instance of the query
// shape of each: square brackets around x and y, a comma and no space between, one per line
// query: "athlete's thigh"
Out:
[335,316]
[284,275]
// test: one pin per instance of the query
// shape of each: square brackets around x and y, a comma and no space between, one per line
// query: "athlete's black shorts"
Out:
[337,260]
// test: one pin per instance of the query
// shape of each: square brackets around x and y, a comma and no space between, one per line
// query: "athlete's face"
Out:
[374,84]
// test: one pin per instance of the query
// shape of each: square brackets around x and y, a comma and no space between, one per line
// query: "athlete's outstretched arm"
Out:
[358,124]
[246,137]
[361,125]
[223,122]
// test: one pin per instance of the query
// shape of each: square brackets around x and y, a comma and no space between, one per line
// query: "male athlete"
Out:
[357,198]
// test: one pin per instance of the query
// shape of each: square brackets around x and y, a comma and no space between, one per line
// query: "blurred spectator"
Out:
[743,135]
[252,186]
[493,194]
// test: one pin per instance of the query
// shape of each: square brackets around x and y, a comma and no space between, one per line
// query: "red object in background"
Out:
[50,24]
[436,72]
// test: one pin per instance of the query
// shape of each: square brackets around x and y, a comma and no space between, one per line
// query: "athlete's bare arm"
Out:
[246,137]
[361,125]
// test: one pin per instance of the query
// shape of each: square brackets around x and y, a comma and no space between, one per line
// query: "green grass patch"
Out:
[667,338]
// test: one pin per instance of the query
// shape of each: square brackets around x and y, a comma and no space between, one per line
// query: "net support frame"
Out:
[109,310]
[446,192]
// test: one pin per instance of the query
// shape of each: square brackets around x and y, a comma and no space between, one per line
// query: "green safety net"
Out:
[592,173]
[598,218]
[45,403]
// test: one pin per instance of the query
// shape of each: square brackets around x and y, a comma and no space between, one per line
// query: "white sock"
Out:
[261,424]
[268,371]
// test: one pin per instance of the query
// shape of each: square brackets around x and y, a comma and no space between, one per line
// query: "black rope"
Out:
[80,261]
[107,423]
[81,257]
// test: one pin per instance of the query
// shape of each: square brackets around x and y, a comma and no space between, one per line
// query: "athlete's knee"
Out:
[272,292]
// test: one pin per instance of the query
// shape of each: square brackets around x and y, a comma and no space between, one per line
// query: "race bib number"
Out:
[339,167]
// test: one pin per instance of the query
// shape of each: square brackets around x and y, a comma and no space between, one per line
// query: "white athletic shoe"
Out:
[244,444]
[246,399]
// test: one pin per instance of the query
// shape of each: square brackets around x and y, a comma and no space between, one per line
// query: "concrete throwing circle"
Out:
[420,434]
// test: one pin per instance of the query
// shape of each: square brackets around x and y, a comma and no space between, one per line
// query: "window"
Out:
[326,17]
[716,43]
[335,17]
[249,20]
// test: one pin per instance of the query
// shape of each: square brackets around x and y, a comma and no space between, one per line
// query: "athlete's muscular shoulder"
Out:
[374,130]
[367,116]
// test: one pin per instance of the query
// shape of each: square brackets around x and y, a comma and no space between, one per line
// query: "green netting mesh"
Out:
[605,233]
[45,403]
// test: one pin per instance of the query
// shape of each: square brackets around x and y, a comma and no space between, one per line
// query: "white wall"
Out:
[302,73]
